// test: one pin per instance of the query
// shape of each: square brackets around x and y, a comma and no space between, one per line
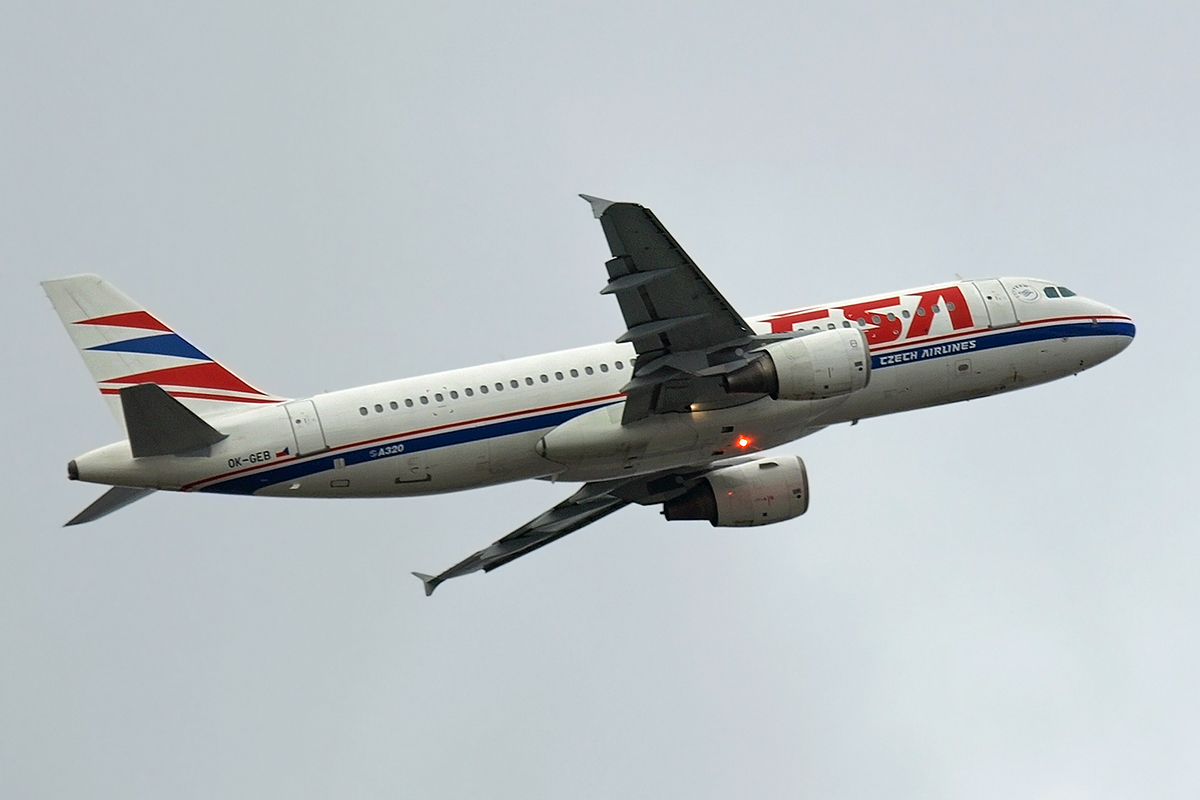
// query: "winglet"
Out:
[599,205]
[430,582]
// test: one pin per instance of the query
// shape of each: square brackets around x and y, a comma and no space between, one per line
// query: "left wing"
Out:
[685,333]
[583,507]
[593,501]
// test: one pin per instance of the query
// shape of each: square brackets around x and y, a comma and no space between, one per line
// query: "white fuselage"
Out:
[490,424]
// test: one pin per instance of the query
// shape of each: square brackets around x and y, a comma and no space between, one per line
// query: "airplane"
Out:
[678,411]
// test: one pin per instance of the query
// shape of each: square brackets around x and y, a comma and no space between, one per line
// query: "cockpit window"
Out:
[1051,291]
[1065,292]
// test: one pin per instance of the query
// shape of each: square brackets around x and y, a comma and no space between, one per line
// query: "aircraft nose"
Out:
[1130,332]
[1122,325]
[1124,337]
[1119,330]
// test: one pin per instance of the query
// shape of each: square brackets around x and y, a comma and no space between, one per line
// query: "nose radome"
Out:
[1122,323]
[1118,327]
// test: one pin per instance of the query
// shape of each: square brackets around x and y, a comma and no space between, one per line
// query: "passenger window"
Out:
[904,313]
[378,408]
[438,397]
[408,402]
[470,392]
[394,405]
[483,390]
[514,384]
[604,367]
[846,324]
[949,306]
[574,373]
[1051,291]
[424,400]
[545,378]
[920,311]
[362,410]
[499,387]
[453,395]
[1065,292]
[875,319]
[619,365]
[832,326]
[529,381]
[558,376]
[936,308]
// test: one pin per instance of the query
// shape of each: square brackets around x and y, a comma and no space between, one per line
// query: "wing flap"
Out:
[656,327]
[632,280]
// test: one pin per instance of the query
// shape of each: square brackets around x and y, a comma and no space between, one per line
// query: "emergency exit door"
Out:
[306,427]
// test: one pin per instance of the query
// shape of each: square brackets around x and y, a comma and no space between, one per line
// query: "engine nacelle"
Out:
[758,492]
[810,367]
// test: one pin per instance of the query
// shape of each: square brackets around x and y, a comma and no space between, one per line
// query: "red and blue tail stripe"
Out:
[202,379]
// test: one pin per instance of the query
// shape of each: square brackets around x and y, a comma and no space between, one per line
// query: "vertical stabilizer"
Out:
[123,345]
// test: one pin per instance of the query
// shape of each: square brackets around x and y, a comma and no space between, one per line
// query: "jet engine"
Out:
[810,367]
[757,492]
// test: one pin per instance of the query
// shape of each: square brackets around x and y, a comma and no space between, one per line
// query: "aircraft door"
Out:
[1001,313]
[306,427]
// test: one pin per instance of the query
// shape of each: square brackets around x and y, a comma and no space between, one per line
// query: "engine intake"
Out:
[810,367]
[758,492]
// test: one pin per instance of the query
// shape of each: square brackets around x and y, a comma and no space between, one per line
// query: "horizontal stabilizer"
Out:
[160,425]
[114,499]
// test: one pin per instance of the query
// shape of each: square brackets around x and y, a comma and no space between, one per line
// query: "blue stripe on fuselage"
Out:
[1003,338]
[248,484]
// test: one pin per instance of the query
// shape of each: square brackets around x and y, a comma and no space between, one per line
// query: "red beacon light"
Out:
[743,442]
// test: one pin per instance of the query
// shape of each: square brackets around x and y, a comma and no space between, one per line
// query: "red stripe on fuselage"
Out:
[405,434]
[962,334]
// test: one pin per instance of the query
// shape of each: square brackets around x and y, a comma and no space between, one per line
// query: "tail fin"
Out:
[122,345]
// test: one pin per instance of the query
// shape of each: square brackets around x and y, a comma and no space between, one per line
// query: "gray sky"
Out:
[992,600]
